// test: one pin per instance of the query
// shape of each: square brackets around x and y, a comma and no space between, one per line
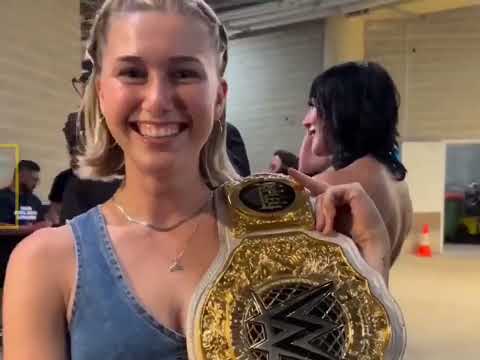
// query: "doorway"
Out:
[462,193]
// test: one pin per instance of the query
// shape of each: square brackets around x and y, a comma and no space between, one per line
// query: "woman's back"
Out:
[390,195]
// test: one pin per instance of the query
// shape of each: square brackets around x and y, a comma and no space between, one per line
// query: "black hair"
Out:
[70,132]
[289,160]
[28,165]
[359,103]
[73,131]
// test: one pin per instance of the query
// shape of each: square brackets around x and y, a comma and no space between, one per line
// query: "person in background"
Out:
[236,150]
[82,195]
[30,215]
[283,160]
[62,180]
[351,136]
[72,131]
[56,195]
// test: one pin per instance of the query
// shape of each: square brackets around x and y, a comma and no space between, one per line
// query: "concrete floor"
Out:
[440,300]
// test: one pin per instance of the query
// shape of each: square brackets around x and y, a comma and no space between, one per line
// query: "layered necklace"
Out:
[176,264]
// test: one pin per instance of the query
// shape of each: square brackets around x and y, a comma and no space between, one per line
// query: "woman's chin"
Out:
[158,165]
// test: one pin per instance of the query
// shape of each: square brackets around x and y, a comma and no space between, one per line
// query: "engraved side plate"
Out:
[267,203]
[287,293]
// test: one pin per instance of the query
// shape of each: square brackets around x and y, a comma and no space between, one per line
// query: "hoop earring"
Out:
[220,125]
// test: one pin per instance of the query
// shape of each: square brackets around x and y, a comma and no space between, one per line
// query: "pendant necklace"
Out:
[176,262]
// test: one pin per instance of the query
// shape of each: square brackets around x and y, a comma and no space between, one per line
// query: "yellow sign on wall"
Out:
[9,159]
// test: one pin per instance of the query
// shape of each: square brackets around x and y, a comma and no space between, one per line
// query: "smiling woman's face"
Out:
[159,88]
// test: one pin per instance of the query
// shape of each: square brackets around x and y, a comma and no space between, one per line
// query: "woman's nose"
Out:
[309,119]
[158,96]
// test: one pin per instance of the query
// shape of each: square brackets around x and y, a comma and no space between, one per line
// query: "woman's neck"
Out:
[162,201]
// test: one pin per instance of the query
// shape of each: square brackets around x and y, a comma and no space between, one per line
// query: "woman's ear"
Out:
[221,100]
[100,93]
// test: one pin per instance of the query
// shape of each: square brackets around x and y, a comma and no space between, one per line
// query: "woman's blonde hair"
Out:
[101,157]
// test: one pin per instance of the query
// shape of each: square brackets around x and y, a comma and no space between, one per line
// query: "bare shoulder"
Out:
[35,295]
[363,171]
[45,243]
[374,177]
[47,253]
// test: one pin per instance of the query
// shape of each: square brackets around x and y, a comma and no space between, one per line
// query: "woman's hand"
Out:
[308,162]
[349,210]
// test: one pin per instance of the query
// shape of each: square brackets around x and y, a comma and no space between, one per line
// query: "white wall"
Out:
[434,61]
[40,53]
[385,43]
[269,77]
[425,162]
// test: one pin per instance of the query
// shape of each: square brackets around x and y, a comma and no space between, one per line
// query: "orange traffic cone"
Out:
[424,249]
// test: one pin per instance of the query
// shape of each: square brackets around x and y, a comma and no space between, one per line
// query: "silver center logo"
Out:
[293,326]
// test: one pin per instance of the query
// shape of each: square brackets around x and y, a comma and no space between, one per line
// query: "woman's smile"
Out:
[159,131]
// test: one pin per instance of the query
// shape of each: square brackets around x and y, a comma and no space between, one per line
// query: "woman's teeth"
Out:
[158,130]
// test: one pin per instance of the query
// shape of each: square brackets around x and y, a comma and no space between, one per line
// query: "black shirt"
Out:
[82,195]
[31,209]
[237,153]
[59,185]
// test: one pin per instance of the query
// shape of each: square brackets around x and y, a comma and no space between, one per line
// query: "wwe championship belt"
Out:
[280,291]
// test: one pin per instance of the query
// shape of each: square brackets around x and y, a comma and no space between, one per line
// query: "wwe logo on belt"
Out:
[291,327]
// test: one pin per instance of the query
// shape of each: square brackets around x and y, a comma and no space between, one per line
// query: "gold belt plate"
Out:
[286,293]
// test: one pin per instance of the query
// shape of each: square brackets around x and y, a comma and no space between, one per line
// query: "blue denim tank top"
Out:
[108,322]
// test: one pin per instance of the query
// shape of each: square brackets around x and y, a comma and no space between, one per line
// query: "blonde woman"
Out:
[116,282]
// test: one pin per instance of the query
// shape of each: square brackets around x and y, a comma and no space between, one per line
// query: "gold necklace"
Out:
[176,263]
[156,227]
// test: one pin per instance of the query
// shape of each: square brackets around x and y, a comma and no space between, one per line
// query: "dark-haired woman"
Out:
[352,121]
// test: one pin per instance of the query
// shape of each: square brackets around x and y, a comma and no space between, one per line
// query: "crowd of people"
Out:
[152,129]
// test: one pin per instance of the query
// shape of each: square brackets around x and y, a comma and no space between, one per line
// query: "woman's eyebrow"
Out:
[185,59]
[129,58]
